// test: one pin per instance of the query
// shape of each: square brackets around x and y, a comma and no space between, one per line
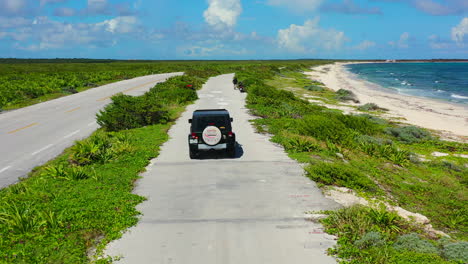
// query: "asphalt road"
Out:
[217,210]
[33,135]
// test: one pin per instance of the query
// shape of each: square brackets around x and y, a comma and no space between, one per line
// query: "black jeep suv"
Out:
[211,130]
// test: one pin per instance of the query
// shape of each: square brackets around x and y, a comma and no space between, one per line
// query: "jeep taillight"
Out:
[194,136]
[230,134]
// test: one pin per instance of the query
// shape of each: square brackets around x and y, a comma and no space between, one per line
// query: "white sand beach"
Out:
[449,120]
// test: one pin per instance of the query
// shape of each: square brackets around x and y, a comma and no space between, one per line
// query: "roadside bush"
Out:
[127,112]
[412,242]
[371,107]
[340,175]
[314,88]
[409,134]
[297,143]
[370,239]
[382,148]
[20,218]
[359,123]
[99,148]
[323,127]
[411,257]
[456,251]
[346,95]
[374,119]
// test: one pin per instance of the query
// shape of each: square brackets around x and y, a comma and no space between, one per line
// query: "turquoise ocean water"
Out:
[443,81]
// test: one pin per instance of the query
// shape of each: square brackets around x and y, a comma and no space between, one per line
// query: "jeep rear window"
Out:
[199,123]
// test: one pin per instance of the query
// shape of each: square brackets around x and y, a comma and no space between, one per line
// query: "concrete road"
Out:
[33,135]
[217,210]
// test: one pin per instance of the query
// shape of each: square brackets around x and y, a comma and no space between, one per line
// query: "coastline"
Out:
[449,120]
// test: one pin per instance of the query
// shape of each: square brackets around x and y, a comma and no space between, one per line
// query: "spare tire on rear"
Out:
[211,135]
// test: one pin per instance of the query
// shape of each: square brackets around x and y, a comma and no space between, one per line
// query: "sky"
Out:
[234,29]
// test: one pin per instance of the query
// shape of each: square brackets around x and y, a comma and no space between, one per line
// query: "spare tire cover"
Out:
[211,135]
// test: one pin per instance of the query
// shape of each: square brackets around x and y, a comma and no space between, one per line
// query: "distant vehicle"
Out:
[211,130]
[241,87]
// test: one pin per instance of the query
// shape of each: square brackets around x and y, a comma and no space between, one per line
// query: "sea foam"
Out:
[459,96]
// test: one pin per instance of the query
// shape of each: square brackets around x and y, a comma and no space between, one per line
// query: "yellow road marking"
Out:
[19,129]
[133,88]
[74,109]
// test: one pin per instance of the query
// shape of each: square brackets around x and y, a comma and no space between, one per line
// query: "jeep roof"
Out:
[206,117]
[210,112]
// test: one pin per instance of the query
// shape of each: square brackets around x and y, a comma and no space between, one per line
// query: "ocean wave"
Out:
[457,96]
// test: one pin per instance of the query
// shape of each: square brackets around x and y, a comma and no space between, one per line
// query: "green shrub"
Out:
[99,148]
[296,143]
[371,107]
[78,173]
[340,175]
[409,134]
[346,95]
[370,239]
[374,119]
[412,242]
[359,123]
[20,218]
[411,257]
[323,128]
[127,112]
[456,251]
[314,88]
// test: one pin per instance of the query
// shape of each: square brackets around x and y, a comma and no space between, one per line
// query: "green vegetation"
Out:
[127,112]
[371,107]
[367,235]
[373,156]
[346,95]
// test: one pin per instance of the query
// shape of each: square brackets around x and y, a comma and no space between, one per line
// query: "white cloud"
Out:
[43,33]
[402,43]
[310,37]
[222,14]
[459,31]
[123,24]
[297,5]
[366,44]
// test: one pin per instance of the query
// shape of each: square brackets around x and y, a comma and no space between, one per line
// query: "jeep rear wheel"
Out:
[211,135]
